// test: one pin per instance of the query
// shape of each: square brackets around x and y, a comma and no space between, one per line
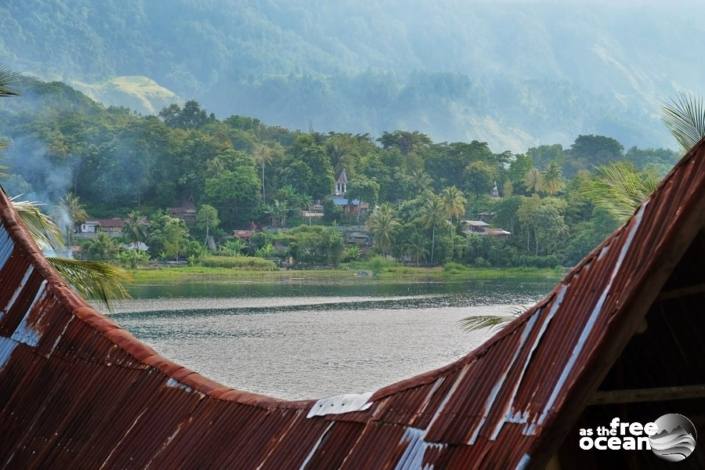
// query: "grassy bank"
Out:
[353,274]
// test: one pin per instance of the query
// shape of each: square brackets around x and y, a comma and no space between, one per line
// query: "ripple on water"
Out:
[310,341]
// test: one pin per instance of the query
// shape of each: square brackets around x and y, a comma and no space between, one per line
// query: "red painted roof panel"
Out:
[78,391]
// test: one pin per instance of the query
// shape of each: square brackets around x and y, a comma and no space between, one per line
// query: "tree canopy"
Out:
[239,172]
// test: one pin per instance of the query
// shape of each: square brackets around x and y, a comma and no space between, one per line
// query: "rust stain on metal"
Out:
[77,391]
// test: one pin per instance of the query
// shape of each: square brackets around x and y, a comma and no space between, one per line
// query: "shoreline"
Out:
[394,274]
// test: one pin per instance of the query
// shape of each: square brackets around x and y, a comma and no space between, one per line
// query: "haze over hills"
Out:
[513,74]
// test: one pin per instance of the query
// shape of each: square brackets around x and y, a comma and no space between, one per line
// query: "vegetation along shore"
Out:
[185,195]
[342,274]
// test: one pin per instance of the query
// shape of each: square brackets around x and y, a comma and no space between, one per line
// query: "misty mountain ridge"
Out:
[514,74]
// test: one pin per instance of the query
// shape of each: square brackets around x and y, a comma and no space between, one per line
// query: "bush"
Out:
[102,248]
[314,244]
[194,250]
[258,241]
[453,267]
[233,247]
[351,253]
[267,251]
[238,262]
[133,258]
[378,264]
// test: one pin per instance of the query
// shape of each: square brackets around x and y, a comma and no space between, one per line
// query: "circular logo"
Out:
[675,438]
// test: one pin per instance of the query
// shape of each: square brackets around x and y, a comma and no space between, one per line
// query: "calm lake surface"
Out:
[297,340]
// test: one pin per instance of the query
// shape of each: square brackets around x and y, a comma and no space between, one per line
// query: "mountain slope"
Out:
[139,93]
[511,73]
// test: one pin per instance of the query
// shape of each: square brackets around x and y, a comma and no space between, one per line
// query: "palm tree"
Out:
[533,180]
[552,179]
[416,247]
[383,225]
[76,212]
[73,205]
[620,188]
[420,180]
[207,218]
[277,211]
[90,278]
[526,215]
[134,229]
[433,215]
[454,204]
[263,155]
[685,118]
[102,247]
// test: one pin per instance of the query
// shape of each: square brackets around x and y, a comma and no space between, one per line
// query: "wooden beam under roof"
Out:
[642,395]
[681,292]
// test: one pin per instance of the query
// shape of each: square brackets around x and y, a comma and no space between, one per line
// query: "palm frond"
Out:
[493,322]
[3,169]
[619,188]
[93,279]
[685,118]
[480,322]
[44,231]
[7,78]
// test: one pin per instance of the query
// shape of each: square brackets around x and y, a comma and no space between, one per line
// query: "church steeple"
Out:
[341,184]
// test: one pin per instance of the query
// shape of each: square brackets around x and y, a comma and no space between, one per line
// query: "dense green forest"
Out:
[511,73]
[557,202]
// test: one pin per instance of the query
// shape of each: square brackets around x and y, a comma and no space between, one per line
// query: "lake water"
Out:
[297,340]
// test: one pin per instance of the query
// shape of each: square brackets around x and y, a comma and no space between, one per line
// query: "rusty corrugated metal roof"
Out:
[78,391]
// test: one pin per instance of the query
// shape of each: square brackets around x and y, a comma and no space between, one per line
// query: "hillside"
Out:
[141,94]
[510,73]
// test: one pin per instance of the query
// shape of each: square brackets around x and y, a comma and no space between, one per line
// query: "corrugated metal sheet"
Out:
[76,391]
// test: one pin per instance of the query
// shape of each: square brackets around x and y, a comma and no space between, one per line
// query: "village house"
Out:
[479,227]
[357,235]
[112,226]
[186,212]
[349,206]
[138,246]
[91,228]
[474,226]
[314,211]
[244,235]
